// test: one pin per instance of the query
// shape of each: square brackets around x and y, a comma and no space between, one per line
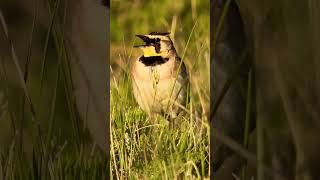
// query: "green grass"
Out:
[141,147]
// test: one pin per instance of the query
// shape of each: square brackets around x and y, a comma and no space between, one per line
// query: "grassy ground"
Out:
[141,148]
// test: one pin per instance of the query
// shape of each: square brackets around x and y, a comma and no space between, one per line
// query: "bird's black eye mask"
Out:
[150,42]
[157,46]
[153,60]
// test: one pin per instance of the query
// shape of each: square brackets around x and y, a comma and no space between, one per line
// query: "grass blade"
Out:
[16,63]
[45,51]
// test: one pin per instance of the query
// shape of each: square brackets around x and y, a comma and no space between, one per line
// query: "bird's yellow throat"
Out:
[149,51]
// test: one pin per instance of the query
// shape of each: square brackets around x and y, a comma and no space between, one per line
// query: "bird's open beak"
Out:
[145,39]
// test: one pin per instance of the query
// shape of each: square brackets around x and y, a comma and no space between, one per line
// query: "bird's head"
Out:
[156,44]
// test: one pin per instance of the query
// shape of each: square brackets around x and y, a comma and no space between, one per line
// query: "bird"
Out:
[159,77]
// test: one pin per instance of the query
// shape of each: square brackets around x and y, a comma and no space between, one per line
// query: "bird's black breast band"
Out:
[153,60]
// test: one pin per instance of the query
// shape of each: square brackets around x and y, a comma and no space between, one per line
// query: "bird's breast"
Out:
[153,86]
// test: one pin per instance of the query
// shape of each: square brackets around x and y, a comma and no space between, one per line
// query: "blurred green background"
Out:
[131,17]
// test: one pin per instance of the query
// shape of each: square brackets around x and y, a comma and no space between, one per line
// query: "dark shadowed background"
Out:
[53,89]
[265,73]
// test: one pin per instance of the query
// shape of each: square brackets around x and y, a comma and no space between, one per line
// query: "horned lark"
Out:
[159,77]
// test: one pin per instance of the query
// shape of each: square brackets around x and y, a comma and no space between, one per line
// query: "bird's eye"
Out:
[157,40]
